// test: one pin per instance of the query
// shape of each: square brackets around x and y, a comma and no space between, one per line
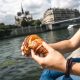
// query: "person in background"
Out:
[54,61]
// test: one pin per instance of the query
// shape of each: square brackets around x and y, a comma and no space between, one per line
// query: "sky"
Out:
[9,8]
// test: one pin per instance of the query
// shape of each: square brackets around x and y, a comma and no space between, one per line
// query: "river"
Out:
[14,66]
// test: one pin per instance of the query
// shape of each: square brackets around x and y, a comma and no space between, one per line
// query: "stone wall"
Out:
[28,30]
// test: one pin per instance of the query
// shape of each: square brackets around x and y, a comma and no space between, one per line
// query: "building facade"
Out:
[55,14]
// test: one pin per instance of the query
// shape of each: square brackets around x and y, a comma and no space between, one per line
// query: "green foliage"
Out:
[38,22]
[35,23]
[24,23]
[11,26]
[4,30]
[30,23]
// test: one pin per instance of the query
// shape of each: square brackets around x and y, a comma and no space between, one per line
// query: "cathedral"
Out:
[23,15]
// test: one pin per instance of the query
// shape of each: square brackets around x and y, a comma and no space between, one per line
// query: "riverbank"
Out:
[22,31]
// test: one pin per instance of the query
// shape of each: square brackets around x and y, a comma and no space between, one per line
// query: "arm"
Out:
[67,45]
[54,60]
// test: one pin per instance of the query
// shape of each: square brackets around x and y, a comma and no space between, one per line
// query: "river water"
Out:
[14,66]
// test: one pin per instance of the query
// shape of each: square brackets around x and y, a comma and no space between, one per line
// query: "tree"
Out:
[4,31]
[38,22]
[24,23]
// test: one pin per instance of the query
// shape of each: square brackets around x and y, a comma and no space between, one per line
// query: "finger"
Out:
[46,46]
[38,59]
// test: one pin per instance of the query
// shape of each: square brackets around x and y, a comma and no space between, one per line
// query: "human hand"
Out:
[53,60]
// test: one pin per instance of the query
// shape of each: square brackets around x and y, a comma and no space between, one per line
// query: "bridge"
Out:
[63,23]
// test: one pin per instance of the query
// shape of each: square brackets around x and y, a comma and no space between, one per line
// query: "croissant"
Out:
[33,42]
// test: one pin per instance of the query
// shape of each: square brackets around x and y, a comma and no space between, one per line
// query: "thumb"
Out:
[38,59]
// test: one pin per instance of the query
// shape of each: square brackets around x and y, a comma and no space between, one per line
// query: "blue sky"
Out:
[9,8]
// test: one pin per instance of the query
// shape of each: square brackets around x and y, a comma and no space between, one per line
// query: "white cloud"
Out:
[65,4]
[36,6]
[9,8]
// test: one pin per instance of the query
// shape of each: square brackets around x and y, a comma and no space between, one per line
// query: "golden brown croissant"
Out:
[33,42]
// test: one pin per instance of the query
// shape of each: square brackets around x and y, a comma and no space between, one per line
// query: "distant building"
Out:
[23,15]
[56,14]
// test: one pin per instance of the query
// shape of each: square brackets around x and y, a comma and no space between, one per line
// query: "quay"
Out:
[21,31]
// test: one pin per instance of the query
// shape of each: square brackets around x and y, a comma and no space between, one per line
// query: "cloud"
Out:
[9,8]
[65,4]
[36,7]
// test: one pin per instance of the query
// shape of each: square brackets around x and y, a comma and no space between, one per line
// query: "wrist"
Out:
[64,65]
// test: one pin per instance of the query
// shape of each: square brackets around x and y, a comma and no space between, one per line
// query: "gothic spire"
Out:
[22,9]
